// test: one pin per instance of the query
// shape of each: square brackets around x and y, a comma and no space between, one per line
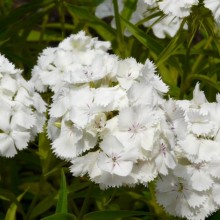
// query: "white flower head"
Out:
[115,158]
[128,71]
[163,156]
[139,125]
[198,174]
[22,110]
[199,149]
[81,42]
[148,73]
[177,8]
[72,141]
[178,197]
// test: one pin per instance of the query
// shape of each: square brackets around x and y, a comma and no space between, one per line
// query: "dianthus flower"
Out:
[22,110]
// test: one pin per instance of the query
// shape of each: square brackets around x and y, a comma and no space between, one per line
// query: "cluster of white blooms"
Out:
[174,11]
[106,115]
[22,110]
[109,119]
[191,189]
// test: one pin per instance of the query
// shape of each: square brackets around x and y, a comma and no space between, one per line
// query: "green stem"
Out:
[45,21]
[86,202]
[117,21]
[121,43]
[62,17]
[183,85]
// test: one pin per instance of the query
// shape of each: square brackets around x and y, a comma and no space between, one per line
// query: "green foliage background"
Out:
[37,185]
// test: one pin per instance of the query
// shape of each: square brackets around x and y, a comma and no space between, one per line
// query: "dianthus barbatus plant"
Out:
[108,118]
[111,125]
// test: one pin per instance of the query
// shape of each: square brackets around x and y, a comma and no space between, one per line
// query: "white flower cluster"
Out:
[106,115]
[174,10]
[192,189]
[109,119]
[22,110]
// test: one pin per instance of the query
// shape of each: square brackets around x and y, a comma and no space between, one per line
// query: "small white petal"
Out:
[7,146]
[21,139]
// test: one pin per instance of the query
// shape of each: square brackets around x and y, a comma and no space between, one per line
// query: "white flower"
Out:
[97,125]
[138,125]
[77,59]
[175,119]
[196,173]
[178,197]
[216,193]
[144,172]
[163,157]
[198,100]
[199,123]
[7,68]
[106,9]
[115,158]
[72,141]
[214,167]
[199,149]
[22,110]
[177,8]
[88,106]
[101,65]
[169,25]
[148,73]
[128,71]
[80,42]
[61,102]
[80,168]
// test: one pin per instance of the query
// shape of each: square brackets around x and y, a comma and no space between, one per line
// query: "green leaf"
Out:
[129,8]
[62,200]
[149,42]
[34,36]
[106,31]
[11,213]
[43,205]
[19,12]
[18,15]
[43,145]
[118,22]
[60,216]
[172,47]
[143,37]
[110,215]
[205,79]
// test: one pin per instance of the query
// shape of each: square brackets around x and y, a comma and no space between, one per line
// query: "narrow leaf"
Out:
[109,215]
[11,213]
[205,79]
[143,37]
[62,200]
[60,216]
[107,32]
[43,205]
